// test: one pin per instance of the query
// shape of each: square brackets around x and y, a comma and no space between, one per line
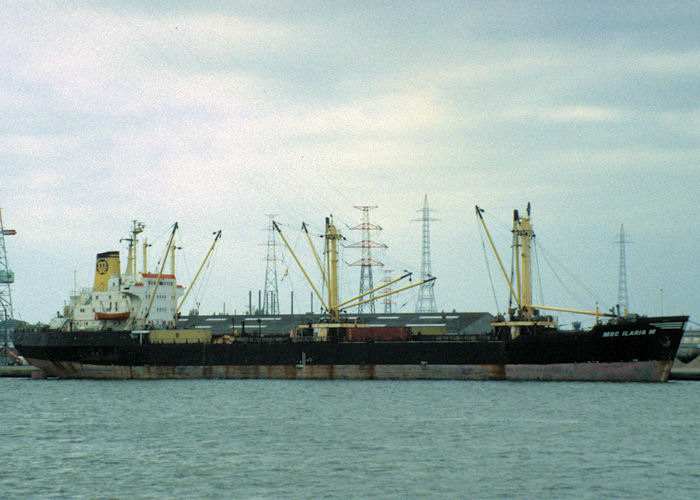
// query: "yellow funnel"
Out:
[107,266]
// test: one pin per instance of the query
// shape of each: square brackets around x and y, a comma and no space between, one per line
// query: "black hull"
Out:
[640,350]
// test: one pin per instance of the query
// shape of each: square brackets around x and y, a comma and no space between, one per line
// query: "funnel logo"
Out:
[102,266]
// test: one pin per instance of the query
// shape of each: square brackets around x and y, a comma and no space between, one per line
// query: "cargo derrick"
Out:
[335,329]
[526,316]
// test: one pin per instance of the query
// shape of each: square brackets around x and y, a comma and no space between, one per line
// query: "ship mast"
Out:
[137,227]
[332,237]
[523,237]
[145,256]
[526,313]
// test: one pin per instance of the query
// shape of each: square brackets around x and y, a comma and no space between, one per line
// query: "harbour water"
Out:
[343,439]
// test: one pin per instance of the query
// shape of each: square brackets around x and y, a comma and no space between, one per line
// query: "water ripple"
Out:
[330,439]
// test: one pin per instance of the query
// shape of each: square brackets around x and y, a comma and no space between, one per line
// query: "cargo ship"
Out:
[126,327]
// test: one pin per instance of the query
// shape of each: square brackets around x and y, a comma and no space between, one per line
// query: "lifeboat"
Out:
[118,316]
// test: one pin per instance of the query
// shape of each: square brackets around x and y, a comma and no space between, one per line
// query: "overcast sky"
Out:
[215,114]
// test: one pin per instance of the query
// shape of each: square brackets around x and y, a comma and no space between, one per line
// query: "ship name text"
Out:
[629,333]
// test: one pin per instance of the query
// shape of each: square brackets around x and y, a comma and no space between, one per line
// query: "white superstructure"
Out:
[132,300]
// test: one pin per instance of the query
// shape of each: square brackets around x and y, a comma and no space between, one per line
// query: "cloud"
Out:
[42,146]
[677,62]
[393,114]
[684,123]
[217,115]
[565,114]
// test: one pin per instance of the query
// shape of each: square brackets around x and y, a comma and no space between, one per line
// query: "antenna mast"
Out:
[426,292]
[366,262]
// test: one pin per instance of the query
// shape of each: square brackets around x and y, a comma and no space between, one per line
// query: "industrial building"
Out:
[454,323]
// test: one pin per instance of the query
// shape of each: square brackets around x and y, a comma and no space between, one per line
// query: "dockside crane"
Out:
[7,277]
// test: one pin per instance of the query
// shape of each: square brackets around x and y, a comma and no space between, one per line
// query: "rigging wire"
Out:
[204,283]
[188,275]
[551,260]
[488,268]
[505,228]
[164,255]
[513,252]
[290,269]
[537,266]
